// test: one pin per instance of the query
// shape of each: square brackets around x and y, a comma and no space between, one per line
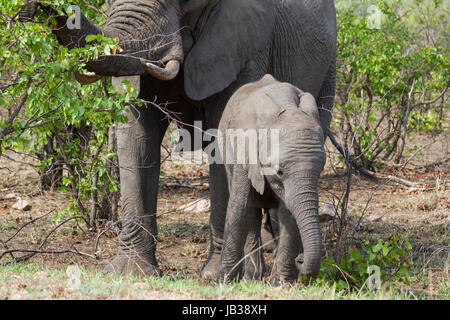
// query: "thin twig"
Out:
[26,224]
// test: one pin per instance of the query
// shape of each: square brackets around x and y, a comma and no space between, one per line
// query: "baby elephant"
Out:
[272,147]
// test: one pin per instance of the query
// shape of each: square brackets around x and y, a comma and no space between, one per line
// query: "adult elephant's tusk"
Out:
[87,78]
[168,73]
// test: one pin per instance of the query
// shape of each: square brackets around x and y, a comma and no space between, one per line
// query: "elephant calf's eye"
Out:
[278,170]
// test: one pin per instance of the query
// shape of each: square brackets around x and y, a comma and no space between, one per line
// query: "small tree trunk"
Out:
[94,200]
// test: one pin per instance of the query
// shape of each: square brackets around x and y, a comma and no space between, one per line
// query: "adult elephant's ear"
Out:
[236,30]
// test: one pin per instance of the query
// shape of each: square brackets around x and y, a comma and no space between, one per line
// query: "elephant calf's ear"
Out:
[256,178]
[308,104]
[235,32]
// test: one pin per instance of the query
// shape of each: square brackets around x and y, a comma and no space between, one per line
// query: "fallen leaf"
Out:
[23,205]
[197,206]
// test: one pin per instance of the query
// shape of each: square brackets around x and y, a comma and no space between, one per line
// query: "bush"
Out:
[392,258]
[390,80]
[46,113]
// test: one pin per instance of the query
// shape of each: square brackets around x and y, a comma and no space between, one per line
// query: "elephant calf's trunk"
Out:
[312,245]
[305,212]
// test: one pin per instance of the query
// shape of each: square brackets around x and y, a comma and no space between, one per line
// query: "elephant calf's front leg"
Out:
[236,226]
[289,247]
[254,256]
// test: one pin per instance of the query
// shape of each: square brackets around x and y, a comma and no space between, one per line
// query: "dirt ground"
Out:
[421,212]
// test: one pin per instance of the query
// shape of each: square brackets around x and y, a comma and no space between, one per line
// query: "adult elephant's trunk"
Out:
[303,204]
[148,34]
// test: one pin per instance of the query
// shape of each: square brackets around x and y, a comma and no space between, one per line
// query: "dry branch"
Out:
[40,249]
[402,181]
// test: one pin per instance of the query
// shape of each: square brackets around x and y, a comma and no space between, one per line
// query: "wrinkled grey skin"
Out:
[291,187]
[222,45]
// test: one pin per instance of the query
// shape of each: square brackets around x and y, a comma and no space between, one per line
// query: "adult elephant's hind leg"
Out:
[325,99]
[219,200]
[139,160]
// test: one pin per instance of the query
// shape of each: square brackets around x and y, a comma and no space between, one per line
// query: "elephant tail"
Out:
[346,154]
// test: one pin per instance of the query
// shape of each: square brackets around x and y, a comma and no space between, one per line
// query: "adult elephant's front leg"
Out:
[139,160]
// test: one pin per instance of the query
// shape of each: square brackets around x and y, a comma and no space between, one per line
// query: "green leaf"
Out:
[91,37]
[342,284]
[408,245]
[355,255]
[378,246]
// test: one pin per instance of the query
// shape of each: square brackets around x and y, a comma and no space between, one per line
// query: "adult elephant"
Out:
[196,54]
